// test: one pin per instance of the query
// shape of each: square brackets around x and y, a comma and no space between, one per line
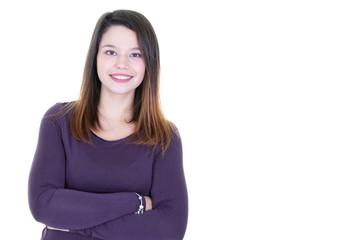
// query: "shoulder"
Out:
[175,133]
[58,115]
[60,108]
[175,143]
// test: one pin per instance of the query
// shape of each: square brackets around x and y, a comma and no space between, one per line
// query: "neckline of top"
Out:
[102,140]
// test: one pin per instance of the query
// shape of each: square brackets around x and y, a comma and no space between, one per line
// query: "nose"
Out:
[122,62]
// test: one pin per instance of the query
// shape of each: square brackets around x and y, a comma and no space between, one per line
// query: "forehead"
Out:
[119,36]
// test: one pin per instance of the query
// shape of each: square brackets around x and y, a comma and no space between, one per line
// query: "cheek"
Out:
[101,66]
[140,72]
[141,69]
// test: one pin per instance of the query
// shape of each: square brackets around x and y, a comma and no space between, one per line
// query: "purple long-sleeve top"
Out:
[90,189]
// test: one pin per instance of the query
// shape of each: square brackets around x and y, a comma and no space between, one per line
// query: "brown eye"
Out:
[110,53]
[135,55]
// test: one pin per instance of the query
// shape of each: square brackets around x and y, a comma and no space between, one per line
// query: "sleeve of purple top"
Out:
[168,219]
[55,206]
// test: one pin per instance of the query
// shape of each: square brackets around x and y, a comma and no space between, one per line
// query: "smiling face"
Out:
[120,65]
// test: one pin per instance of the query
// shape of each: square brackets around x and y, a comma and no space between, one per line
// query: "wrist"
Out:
[148,203]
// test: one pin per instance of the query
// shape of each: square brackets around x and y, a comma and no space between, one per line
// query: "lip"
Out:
[113,77]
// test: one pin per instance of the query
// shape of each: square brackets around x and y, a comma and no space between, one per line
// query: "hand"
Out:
[148,203]
[57,229]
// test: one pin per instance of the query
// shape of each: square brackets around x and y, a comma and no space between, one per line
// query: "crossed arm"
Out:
[148,204]
[107,216]
[148,208]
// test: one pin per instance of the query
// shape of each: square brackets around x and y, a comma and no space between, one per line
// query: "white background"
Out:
[265,94]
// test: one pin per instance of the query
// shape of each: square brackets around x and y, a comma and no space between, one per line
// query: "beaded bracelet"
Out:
[141,207]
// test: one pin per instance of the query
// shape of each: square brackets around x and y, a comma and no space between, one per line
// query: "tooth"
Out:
[122,77]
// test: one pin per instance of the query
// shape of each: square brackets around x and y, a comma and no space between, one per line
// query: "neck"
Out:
[116,106]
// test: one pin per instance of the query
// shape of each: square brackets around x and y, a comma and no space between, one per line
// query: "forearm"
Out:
[162,223]
[70,209]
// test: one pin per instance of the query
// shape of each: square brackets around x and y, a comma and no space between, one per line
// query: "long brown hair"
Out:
[152,128]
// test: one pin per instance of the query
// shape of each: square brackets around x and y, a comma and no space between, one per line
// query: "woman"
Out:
[109,166]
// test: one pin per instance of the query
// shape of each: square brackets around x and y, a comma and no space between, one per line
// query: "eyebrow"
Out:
[112,46]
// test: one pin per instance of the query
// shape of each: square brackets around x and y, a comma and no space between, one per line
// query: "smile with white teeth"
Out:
[121,77]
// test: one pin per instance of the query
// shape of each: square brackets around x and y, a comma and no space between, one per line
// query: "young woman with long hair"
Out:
[109,165]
